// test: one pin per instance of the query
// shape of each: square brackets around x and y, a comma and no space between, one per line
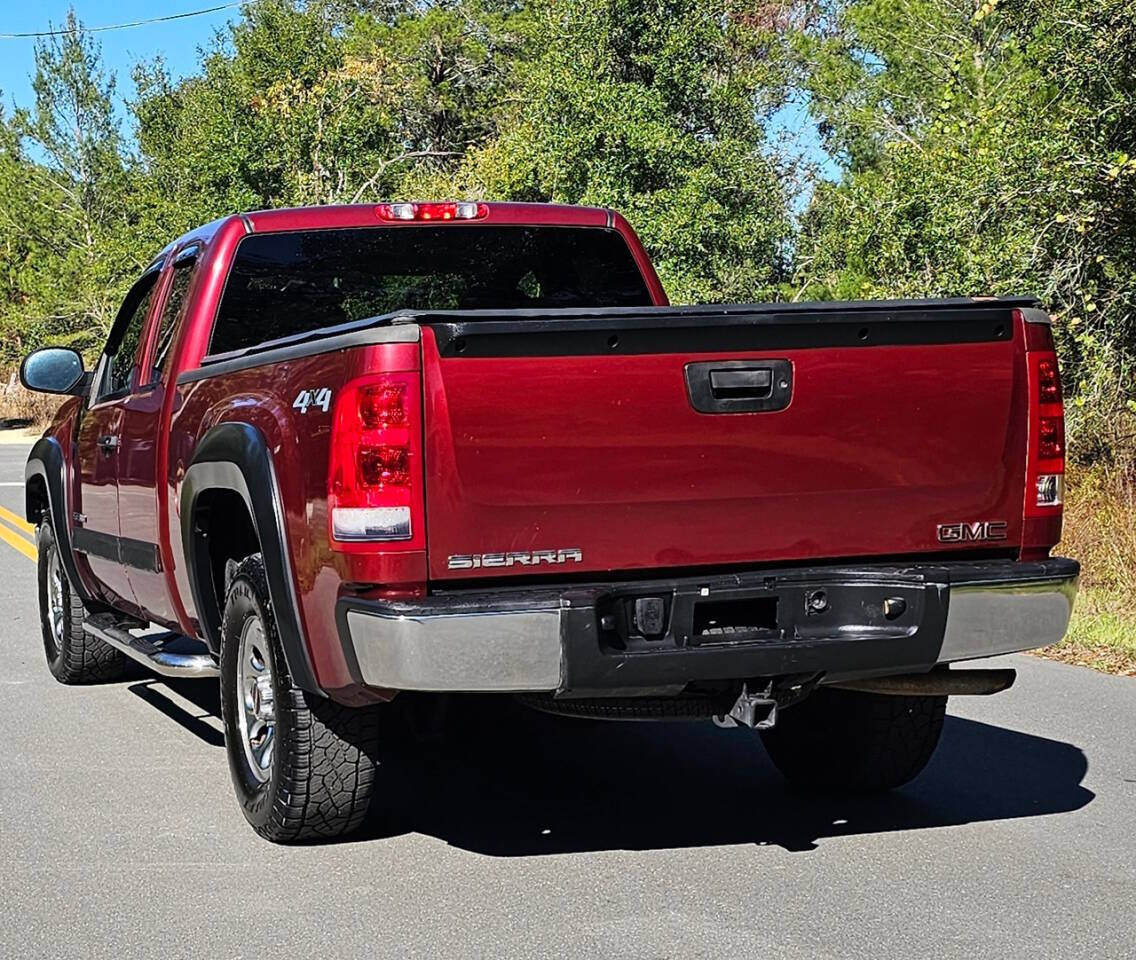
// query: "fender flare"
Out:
[235,456]
[46,460]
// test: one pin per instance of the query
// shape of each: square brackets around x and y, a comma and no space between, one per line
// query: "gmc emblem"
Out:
[968,532]
[526,558]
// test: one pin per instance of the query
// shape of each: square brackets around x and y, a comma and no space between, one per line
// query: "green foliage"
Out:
[990,150]
[300,106]
[65,182]
[653,108]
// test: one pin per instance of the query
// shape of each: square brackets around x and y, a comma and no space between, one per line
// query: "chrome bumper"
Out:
[516,651]
[528,641]
[988,619]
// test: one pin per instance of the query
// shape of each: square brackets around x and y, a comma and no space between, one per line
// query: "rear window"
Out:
[282,284]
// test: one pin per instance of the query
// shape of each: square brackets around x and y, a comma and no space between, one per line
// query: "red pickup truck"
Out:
[337,453]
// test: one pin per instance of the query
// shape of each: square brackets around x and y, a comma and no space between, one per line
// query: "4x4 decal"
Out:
[305,399]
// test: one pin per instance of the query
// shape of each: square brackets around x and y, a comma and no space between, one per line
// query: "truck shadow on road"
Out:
[501,780]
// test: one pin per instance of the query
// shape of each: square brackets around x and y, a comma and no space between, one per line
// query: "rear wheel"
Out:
[73,656]
[844,740]
[303,766]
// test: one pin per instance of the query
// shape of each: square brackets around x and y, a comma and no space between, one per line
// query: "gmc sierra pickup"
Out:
[329,455]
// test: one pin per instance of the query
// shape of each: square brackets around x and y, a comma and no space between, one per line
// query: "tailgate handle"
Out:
[739,386]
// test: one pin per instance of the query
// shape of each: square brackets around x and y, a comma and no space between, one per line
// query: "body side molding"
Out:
[235,457]
[139,554]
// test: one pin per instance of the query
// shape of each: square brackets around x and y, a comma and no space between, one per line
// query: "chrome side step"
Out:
[157,650]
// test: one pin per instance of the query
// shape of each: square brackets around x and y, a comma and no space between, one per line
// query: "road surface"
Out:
[537,837]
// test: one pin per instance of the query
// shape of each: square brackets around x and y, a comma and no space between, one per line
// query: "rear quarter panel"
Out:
[263,397]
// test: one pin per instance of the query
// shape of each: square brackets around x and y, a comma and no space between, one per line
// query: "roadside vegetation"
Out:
[981,146]
[1100,530]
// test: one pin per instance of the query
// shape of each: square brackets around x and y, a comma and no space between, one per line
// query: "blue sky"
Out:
[177,41]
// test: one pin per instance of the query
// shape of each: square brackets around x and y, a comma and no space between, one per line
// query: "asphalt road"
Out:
[530,836]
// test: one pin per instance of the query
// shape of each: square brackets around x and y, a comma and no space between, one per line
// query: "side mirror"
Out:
[54,370]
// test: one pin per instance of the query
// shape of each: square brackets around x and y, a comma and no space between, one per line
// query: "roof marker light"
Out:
[466,210]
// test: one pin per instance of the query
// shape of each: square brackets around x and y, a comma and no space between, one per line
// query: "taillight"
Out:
[382,405]
[465,210]
[385,466]
[373,490]
[1045,480]
[1048,380]
[1051,439]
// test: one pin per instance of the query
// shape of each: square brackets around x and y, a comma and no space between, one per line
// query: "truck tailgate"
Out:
[566,444]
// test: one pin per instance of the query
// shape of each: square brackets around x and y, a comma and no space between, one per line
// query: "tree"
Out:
[988,149]
[317,103]
[67,187]
[20,229]
[655,108]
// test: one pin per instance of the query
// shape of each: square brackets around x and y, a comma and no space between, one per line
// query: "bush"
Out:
[16,403]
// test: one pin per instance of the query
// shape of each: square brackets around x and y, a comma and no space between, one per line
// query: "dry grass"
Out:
[1102,635]
[16,403]
[1100,526]
[1100,531]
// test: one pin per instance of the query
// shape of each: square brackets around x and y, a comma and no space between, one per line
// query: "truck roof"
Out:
[366,215]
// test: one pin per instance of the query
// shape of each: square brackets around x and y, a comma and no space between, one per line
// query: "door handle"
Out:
[752,384]
[739,386]
[107,444]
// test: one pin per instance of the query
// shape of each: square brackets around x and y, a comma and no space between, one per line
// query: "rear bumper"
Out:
[586,641]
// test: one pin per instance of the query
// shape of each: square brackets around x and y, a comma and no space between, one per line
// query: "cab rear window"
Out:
[284,284]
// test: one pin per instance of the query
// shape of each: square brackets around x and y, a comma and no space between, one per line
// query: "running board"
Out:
[156,651]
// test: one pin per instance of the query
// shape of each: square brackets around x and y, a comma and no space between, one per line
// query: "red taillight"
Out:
[1048,380]
[384,466]
[1051,439]
[372,493]
[1045,473]
[464,210]
[382,405]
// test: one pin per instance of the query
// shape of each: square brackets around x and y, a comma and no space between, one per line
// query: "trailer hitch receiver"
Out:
[758,711]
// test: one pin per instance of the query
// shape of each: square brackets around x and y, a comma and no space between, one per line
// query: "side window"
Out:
[125,336]
[172,313]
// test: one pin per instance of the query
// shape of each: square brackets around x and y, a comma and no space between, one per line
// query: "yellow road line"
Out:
[15,540]
[16,520]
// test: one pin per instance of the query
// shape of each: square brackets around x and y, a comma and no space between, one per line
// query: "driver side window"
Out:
[125,336]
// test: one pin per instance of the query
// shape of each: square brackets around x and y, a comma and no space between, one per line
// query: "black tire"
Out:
[73,656]
[843,740]
[320,775]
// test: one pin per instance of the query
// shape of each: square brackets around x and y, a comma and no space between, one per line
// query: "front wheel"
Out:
[303,766]
[73,656]
[845,740]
